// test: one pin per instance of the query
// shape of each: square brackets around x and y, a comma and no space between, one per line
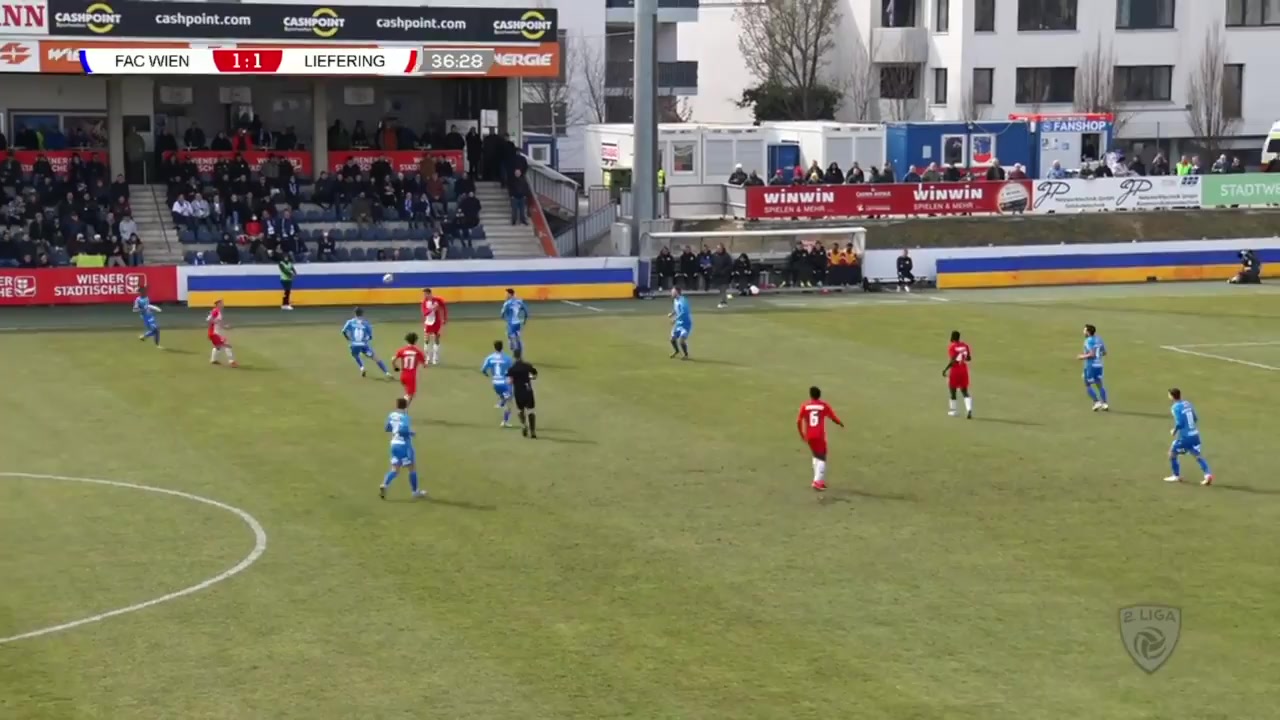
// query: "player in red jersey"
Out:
[434,315]
[812,424]
[957,373]
[407,360]
[217,335]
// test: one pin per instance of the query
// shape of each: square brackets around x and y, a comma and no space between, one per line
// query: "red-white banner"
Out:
[59,160]
[402,161]
[87,286]
[861,200]
[206,160]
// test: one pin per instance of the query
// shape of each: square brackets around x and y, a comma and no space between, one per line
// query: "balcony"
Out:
[674,78]
[899,45]
[623,12]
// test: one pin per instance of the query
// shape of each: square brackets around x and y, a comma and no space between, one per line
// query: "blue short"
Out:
[150,325]
[1184,444]
[1093,375]
[503,391]
[401,454]
[358,350]
[514,330]
[680,332]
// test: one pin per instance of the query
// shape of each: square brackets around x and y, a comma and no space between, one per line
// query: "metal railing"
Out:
[689,202]
[162,212]
[588,227]
[553,189]
[671,74]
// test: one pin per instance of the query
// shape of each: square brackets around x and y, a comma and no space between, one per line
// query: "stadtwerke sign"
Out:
[340,23]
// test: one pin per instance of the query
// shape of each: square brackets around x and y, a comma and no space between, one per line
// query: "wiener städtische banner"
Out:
[402,161]
[87,286]
[207,160]
[59,160]
[1162,192]
[822,201]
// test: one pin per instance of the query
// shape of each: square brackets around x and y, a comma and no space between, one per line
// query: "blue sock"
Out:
[356,356]
[413,480]
[383,367]
[506,413]
[1177,467]
[1102,390]
[1204,464]
[391,475]
[1092,395]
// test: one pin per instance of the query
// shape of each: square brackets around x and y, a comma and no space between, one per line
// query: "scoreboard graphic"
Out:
[349,62]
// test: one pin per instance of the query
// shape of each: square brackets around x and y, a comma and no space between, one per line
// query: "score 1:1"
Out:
[248,61]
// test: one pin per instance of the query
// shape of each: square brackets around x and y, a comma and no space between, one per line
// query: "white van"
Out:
[1271,146]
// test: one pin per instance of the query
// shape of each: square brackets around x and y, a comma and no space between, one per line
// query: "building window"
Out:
[984,16]
[898,13]
[617,109]
[1144,14]
[942,16]
[983,86]
[1253,13]
[899,82]
[1036,15]
[1037,86]
[538,118]
[1144,83]
[682,157]
[1233,91]
[939,86]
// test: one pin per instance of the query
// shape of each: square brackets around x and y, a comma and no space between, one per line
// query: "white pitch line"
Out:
[259,547]
[1223,358]
[935,298]
[1260,343]
[580,305]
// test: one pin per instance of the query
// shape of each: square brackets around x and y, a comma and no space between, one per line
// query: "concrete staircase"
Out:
[508,241]
[155,226]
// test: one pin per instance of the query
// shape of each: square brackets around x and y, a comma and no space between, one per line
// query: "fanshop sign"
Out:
[823,201]
[1130,193]
[266,21]
[86,286]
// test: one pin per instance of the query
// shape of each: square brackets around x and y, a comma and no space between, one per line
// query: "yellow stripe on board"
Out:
[1094,276]
[409,296]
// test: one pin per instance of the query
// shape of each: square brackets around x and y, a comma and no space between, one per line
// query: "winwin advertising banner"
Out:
[1127,193]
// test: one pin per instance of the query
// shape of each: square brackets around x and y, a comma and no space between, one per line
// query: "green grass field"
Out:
[658,553]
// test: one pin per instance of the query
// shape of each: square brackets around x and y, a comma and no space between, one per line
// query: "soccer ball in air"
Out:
[388,278]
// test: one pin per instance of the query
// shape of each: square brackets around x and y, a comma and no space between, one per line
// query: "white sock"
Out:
[815,469]
[213,356]
[953,404]
[435,351]
[820,470]
[968,404]
[231,357]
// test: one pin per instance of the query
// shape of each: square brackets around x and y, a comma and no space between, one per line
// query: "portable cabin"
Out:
[688,153]
[803,143]
[973,145]
[542,148]
[1068,138]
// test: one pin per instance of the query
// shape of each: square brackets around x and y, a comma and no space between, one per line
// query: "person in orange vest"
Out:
[837,266]
[854,271]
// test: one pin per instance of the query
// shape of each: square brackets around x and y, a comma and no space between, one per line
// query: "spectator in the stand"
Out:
[10,170]
[474,153]
[1056,171]
[1237,167]
[1159,165]
[386,137]
[193,138]
[227,252]
[797,175]
[738,176]
[243,141]
[359,136]
[262,137]
[778,178]
[754,180]
[1136,166]
[888,174]
[221,143]
[797,267]
[454,140]
[325,192]
[437,245]
[134,249]
[996,172]
[117,256]
[54,140]
[834,175]
[952,173]
[4,142]
[518,188]
[931,175]
[339,138]
[362,209]
[855,175]
[184,213]
[326,248]
[686,277]
[468,216]
[1184,166]
[743,277]
[287,141]
[200,210]
[912,175]
[664,266]
[1018,172]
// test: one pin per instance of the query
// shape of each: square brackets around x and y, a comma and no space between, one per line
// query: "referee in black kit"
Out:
[521,375]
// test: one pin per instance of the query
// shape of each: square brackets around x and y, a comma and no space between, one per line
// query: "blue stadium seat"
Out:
[189,257]
[478,233]
[350,234]
[187,237]
[245,257]
[461,253]
[345,214]
[342,254]
[357,254]
[420,253]
[60,257]
[484,252]
[205,236]
[400,234]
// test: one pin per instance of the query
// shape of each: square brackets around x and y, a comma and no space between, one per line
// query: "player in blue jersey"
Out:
[496,366]
[516,315]
[142,305]
[681,324]
[359,334]
[1094,351]
[402,455]
[1186,438]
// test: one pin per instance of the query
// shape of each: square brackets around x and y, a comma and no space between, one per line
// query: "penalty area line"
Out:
[592,308]
[259,547]
[1223,358]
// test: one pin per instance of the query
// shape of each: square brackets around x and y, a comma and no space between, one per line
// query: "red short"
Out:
[958,381]
[432,329]
[410,383]
[217,340]
[818,446]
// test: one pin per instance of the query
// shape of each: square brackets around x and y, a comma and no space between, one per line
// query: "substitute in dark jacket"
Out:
[905,276]
[664,266]
[722,272]
[742,275]
[818,263]
[687,277]
[797,267]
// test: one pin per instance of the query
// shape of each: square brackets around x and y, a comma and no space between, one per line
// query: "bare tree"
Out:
[862,89]
[587,77]
[899,90]
[1213,105]
[676,110]
[970,109]
[787,43]
[556,94]
[1096,90]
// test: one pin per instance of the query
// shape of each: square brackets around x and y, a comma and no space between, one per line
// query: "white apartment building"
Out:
[1023,56]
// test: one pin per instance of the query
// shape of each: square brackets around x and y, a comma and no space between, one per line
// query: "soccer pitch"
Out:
[658,552]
